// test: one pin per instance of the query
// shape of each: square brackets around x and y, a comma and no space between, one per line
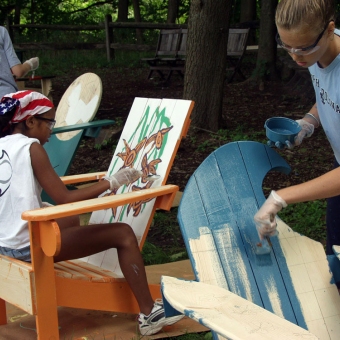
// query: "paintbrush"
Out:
[263,247]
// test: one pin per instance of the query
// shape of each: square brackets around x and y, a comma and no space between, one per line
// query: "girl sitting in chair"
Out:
[26,122]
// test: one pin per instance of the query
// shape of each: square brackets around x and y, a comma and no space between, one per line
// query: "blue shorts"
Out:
[23,254]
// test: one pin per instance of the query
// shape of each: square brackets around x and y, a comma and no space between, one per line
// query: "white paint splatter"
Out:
[135,269]
[274,296]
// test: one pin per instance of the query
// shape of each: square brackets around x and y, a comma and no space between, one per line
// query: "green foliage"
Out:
[261,70]
[153,254]
[165,227]
[62,61]
[84,12]
[307,218]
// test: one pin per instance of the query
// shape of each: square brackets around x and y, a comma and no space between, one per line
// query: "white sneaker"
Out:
[156,320]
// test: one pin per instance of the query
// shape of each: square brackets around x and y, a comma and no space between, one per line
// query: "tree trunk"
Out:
[138,18]
[123,8]
[32,12]
[17,13]
[172,11]
[248,13]
[248,10]
[266,57]
[206,60]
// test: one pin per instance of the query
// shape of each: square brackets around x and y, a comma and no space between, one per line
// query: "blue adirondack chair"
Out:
[216,214]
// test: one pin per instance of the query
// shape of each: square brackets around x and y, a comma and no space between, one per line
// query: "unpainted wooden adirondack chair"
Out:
[39,288]
[293,281]
[74,113]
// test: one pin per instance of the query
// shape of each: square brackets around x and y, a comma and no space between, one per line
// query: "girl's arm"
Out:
[21,70]
[52,184]
[325,186]
[313,116]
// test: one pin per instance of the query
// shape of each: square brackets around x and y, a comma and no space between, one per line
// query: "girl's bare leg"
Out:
[80,241]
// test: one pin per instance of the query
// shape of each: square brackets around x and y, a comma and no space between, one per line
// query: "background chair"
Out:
[237,45]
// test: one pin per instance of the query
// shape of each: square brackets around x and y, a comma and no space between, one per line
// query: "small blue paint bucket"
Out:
[281,129]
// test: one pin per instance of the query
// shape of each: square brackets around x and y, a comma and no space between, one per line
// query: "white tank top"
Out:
[19,190]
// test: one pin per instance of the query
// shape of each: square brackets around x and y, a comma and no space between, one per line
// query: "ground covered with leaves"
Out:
[245,110]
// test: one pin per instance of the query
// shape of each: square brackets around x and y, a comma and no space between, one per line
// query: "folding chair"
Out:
[237,45]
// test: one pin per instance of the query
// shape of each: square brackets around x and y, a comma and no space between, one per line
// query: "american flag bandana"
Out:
[27,103]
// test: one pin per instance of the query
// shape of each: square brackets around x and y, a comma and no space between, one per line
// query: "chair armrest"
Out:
[34,78]
[94,176]
[106,202]
[83,126]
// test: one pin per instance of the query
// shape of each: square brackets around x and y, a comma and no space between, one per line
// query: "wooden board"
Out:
[226,313]
[149,142]
[216,218]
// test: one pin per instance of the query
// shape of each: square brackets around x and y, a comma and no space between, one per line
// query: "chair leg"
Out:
[150,73]
[3,316]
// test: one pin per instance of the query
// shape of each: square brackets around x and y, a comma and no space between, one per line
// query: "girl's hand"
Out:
[123,176]
[265,218]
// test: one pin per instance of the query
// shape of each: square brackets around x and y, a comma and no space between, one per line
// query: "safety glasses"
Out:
[305,50]
[51,122]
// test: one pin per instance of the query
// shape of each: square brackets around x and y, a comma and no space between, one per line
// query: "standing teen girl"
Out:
[306,30]
[26,122]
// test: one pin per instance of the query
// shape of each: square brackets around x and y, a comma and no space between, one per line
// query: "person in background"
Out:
[306,30]
[10,64]
[26,122]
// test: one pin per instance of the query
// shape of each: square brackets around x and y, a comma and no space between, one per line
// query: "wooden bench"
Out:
[170,54]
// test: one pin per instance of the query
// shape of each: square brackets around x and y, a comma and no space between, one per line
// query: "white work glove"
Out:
[33,62]
[123,176]
[307,130]
[265,220]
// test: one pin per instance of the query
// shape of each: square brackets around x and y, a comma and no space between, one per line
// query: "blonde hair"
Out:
[311,14]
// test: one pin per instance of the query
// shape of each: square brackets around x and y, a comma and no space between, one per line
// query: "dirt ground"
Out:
[245,110]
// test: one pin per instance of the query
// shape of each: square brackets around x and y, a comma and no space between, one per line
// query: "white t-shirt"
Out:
[327,92]
[19,189]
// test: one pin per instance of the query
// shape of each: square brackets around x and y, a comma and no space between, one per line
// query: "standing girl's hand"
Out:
[307,130]
[265,220]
